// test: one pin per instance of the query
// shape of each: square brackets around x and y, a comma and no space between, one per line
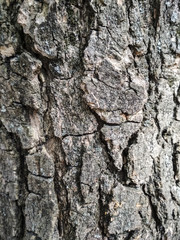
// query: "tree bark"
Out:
[90,119]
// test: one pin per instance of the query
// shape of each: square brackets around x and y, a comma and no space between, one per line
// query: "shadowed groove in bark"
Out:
[175,162]
[104,218]
[23,171]
[159,226]
[78,175]
[123,173]
[130,235]
[23,184]
[101,213]
[155,5]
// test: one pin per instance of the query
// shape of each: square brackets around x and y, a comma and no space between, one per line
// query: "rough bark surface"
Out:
[90,120]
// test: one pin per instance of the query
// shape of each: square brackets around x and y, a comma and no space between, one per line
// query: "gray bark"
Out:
[90,119]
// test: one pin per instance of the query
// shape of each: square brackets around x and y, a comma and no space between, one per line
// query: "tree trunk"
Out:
[90,120]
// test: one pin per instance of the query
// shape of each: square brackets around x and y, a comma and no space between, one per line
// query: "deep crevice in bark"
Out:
[104,218]
[159,226]
[123,173]
[23,181]
[130,235]
[175,162]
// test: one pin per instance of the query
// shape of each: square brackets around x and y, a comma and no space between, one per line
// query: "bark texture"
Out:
[90,120]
